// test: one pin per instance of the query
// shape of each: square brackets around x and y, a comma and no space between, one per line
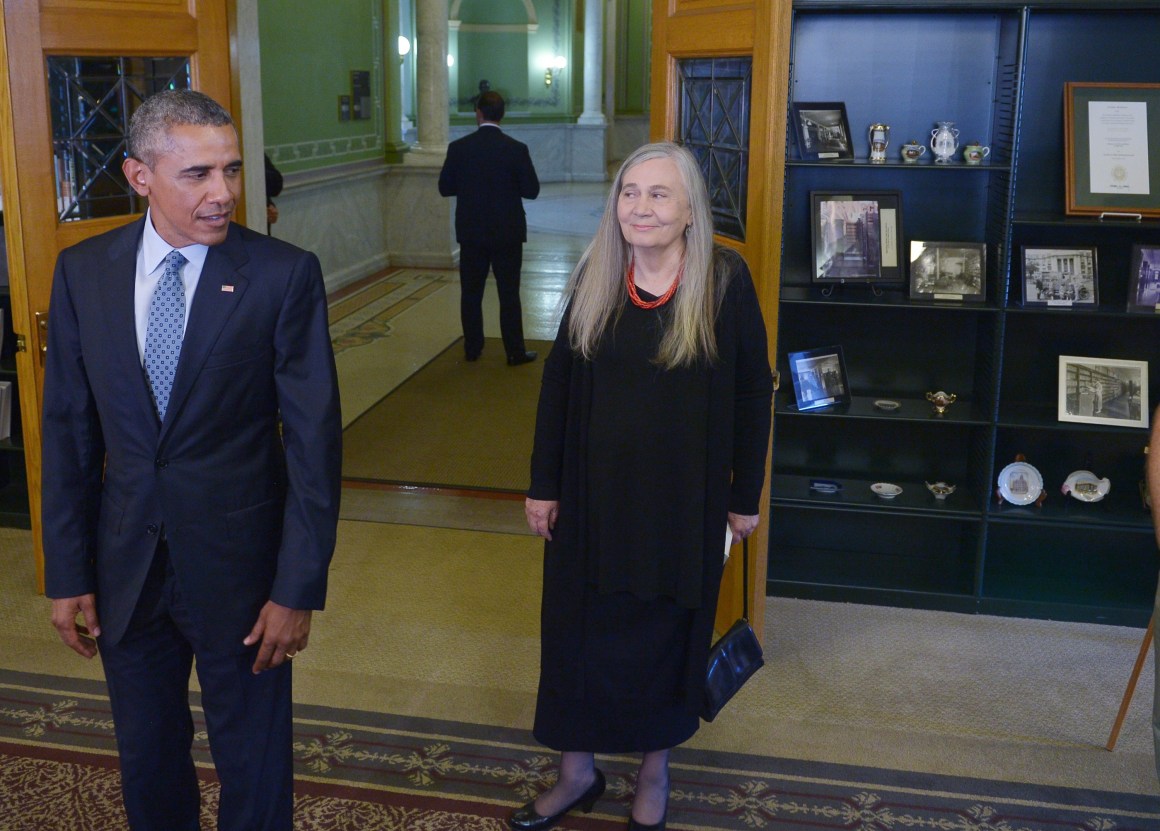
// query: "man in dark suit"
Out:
[191,472]
[489,172]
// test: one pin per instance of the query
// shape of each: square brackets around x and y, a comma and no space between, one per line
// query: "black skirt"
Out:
[632,664]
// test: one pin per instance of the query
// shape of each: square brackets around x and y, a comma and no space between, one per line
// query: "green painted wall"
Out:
[513,59]
[308,50]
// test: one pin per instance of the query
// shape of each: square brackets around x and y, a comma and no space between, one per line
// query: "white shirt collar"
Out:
[154,249]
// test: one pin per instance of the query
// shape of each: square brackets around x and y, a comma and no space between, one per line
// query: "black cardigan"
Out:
[740,389]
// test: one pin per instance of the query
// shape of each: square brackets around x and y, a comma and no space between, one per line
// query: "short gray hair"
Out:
[150,124]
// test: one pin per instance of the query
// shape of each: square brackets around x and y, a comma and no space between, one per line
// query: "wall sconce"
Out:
[404,48]
[553,69]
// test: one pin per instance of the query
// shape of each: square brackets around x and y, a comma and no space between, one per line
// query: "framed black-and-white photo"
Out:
[856,236]
[819,377]
[948,271]
[1060,276]
[1144,281]
[823,133]
[1103,391]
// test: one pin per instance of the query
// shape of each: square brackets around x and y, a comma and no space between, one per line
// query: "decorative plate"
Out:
[886,490]
[886,405]
[1086,486]
[1020,483]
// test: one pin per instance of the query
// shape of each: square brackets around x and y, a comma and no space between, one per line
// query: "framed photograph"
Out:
[948,271]
[856,236]
[1103,391]
[1110,133]
[1060,276]
[1144,280]
[822,131]
[819,377]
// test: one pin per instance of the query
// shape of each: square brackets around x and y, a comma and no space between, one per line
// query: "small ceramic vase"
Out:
[879,137]
[912,151]
[974,153]
[944,141]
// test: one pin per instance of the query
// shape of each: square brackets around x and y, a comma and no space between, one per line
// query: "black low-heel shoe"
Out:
[526,818]
[633,825]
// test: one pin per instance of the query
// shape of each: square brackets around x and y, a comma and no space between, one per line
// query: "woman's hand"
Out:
[542,515]
[742,526]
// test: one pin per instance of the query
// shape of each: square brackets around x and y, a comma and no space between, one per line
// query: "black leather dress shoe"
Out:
[526,818]
[521,358]
[633,825]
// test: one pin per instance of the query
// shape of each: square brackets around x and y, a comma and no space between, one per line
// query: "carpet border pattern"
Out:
[404,772]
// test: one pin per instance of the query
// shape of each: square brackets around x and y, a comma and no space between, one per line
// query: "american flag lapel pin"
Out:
[227,287]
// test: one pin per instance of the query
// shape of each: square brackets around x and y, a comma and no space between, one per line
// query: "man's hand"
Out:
[282,632]
[80,639]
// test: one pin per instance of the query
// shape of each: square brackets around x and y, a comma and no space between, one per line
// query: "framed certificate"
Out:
[1112,149]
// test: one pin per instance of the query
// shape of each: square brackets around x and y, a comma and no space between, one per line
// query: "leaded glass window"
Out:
[91,100]
[714,126]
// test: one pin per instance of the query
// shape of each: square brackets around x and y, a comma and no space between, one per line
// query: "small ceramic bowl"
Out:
[885,490]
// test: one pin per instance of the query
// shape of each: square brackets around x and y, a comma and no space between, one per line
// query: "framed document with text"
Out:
[1112,149]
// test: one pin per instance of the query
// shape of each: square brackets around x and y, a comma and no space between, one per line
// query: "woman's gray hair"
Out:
[149,127]
[596,290]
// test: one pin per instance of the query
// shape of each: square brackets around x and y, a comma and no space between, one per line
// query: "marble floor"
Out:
[561,222]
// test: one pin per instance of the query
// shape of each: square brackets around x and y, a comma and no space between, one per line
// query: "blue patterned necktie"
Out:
[164,332]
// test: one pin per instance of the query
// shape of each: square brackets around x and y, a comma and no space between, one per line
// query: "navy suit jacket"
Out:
[489,172]
[242,476]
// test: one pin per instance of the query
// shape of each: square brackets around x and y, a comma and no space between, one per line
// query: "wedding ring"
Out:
[291,654]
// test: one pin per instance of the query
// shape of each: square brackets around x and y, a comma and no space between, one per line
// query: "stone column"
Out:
[431,18]
[249,63]
[419,222]
[394,147]
[589,146]
[593,63]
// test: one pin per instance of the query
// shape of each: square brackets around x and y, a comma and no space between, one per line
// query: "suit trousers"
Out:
[248,718]
[504,260]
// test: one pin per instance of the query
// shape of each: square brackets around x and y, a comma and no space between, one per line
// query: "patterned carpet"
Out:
[365,770]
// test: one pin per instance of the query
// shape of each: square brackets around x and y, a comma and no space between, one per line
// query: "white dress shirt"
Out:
[151,255]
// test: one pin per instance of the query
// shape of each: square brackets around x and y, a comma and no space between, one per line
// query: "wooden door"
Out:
[31,33]
[760,30]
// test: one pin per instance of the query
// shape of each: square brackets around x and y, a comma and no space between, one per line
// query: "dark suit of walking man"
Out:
[191,513]
[489,172]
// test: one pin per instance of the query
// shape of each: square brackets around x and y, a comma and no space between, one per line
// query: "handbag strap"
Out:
[745,578]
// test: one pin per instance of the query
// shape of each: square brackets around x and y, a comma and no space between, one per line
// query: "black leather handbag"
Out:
[734,658]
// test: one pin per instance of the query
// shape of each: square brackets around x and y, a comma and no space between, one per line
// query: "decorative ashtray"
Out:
[886,405]
[827,486]
[1086,486]
[885,490]
[1020,483]
[941,490]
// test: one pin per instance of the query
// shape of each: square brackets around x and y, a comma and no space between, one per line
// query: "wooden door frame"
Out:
[727,28]
[200,29]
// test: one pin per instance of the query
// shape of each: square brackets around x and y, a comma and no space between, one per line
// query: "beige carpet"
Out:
[443,623]
[452,424]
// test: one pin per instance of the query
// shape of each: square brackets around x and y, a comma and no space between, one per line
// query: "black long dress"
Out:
[641,460]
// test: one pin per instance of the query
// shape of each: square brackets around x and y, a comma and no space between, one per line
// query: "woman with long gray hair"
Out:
[651,437]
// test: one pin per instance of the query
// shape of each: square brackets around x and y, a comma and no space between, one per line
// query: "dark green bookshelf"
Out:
[997,69]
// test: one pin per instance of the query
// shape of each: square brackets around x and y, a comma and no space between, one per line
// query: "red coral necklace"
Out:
[660,301]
